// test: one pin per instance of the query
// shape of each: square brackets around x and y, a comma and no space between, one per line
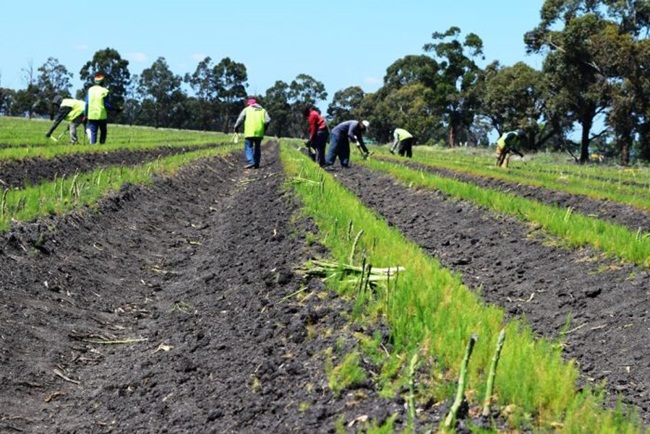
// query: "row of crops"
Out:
[427,323]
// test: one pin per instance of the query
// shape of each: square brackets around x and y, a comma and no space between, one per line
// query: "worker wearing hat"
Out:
[255,120]
[71,110]
[341,136]
[97,106]
[508,144]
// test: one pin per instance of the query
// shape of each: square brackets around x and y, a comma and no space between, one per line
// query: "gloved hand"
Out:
[84,119]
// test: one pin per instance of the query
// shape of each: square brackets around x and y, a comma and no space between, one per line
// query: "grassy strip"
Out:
[22,138]
[574,229]
[66,194]
[431,311]
[607,186]
[543,163]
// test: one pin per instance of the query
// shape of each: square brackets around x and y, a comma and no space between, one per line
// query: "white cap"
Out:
[366,124]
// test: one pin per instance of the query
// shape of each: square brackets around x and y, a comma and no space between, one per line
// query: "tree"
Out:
[514,98]
[408,107]
[344,103]
[457,75]
[27,100]
[276,103]
[161,93]
[304,90]
[230,81]
[410,70]
[54,79]
[575,81]
[203,82]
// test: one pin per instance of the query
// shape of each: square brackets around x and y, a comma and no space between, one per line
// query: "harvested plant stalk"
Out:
[462,378]
[493,372]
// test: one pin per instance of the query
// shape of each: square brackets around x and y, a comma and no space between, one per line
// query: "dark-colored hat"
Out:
[57,100]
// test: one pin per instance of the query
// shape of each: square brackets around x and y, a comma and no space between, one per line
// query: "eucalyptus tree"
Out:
[161,96]
[458,74]
[405,100]
[230,82]
[53,79]
[7,98]
[576,81]
[408,107]
[304,90]
[203,83]
[514,98]
[346,104]
[276,103]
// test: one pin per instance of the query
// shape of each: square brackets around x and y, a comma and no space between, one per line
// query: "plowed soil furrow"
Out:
[167,311]
[34,171]
[633,218]
[513,266]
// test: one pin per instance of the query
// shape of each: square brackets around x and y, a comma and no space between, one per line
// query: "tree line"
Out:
[594,81]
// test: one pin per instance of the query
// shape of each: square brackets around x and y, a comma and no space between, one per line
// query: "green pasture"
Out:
[25,138]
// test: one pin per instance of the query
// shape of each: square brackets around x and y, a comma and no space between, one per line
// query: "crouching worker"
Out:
[71,110]
[403,141]
[509,144]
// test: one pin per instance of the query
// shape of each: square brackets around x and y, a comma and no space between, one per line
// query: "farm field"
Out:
[174,307]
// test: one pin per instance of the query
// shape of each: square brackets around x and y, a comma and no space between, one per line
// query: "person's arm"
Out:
[240,119]
[60,115]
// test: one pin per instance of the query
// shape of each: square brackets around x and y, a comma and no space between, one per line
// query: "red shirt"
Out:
[316,122]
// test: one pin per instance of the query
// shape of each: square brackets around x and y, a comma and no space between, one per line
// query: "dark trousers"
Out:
[319,145]
[339,147]
[406,147]
[97,124]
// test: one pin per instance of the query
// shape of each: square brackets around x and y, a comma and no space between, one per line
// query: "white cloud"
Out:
[137,57]
[198,57]
[374,81]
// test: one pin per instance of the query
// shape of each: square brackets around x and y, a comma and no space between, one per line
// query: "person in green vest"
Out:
[71,110]
[403,141]
[255,120]
[97,105]
[508,144]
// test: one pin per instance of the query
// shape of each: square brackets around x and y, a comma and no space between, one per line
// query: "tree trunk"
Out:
[584,140]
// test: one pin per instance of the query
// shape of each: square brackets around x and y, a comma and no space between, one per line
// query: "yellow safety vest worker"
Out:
[96,107]
[254,122]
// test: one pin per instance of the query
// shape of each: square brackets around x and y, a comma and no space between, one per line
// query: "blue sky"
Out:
[340,43]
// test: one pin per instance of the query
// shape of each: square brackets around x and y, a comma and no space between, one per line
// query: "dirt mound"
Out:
[169,310]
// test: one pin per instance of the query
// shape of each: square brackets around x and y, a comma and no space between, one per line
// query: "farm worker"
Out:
[97,105]
[342,135]
[318,133]
[72,110]
[404,140]
[508,144]
[256,121]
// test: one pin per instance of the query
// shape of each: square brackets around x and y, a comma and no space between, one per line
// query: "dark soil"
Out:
[198,271]
[516,267]
[625,215]
[34,171]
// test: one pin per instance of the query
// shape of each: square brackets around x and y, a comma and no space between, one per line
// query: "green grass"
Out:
[24,138]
